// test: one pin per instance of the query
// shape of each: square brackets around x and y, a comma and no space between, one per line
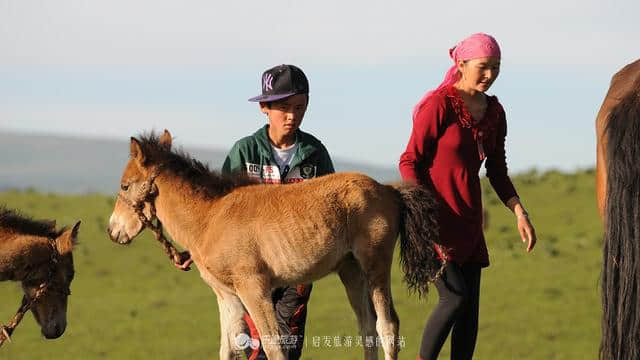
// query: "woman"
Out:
[455,128]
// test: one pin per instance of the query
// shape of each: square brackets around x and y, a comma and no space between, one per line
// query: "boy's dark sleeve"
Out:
[327,164]
[235,160]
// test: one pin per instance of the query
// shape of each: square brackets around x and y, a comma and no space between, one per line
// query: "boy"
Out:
[280,153]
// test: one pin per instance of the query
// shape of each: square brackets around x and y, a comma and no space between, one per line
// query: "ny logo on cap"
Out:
[266,82]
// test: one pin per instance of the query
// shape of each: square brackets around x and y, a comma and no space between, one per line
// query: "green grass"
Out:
[130,303]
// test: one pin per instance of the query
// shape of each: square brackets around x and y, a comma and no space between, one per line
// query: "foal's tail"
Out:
[419,234]
[621,266]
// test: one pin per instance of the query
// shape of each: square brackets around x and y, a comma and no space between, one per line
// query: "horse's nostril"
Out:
[53,333]
[112,236]
[58,330]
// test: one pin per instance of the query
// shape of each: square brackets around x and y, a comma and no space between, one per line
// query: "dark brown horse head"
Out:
[124,223]
[50,310]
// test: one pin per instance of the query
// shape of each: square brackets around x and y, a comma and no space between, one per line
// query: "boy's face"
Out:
[285,116]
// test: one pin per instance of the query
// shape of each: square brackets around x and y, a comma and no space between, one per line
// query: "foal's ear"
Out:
[165,140]
[74,232]
[68,239]
[135,150]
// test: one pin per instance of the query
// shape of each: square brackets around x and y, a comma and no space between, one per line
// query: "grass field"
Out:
[130,303]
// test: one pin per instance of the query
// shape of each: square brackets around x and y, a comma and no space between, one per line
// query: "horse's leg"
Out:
[355,284]
[225,346]
[231,325]
[256,297]
[388,322]
[376,264]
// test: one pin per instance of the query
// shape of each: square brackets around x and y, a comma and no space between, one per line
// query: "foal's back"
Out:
[327,197]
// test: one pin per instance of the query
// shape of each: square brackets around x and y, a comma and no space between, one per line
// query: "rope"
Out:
[147,194]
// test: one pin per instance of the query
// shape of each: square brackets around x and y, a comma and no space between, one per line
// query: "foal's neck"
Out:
[183,212]
[21,255]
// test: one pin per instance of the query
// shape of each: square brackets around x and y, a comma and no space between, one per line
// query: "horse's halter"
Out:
[27,303]
[147,194]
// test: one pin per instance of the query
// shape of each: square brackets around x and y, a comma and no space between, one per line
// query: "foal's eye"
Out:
[124,187]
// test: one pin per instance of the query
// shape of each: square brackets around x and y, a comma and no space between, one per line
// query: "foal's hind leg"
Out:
[388,322]
[376,263]
[356,286]
[256,297]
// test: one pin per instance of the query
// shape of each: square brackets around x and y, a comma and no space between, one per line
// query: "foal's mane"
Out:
[15,221]
[177,162]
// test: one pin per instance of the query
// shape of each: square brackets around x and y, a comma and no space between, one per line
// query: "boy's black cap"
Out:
[282,81]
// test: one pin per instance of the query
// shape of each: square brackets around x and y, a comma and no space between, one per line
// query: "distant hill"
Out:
[65,164]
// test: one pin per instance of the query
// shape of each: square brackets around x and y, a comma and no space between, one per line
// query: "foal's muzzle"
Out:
[54,331]
[119,237]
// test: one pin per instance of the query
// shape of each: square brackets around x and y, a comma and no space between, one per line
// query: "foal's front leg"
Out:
[255,294]
[231,325]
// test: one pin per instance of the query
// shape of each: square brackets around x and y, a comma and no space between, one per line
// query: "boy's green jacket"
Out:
[253,156]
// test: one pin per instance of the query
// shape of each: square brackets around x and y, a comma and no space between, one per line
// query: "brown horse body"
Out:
[618,195]
[248,239]
[35,253]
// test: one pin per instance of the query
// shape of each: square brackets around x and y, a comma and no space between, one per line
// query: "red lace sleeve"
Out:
[496,163]
[427,128]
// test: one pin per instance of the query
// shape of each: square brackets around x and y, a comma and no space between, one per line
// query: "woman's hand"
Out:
[526,230]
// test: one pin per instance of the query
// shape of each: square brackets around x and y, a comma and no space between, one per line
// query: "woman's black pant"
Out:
[459,291]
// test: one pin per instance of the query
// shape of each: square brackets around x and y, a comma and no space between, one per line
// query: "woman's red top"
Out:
[443,151]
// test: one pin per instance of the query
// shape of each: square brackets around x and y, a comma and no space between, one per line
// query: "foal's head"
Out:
[124,223]
[50,310]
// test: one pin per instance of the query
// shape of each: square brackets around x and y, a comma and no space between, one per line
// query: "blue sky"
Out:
[114,69]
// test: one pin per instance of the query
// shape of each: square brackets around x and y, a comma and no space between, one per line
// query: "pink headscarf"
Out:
[475,46]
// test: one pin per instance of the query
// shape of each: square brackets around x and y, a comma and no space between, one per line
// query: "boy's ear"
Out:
[264,108]
[165,140]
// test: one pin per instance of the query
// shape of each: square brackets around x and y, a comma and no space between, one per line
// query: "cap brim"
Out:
[269,98]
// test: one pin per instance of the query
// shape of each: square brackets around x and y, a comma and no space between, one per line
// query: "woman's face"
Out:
[479,74]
